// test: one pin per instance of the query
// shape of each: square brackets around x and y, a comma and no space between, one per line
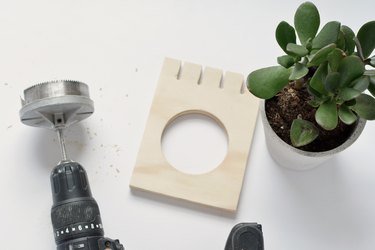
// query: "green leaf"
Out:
[285,61]
[332,82]
[321,55]
[350,68]
[359,49]
[267,82]
[370,73]
[314,93]
[341,40]
[365,107]
[346,115]
[326,115]
[306,21]
[334,58]
[366,37]
[314,103]
[372,61]
[347,94]
[349,42]
[312,53]
[296,50]
[350,103]
[371,86]
[339,101]
[328,34]
[299,71]
[318,79]
[285,34]
[308,44]
[361,83]
[302,132]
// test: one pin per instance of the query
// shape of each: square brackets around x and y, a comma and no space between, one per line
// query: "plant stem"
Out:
[299,84]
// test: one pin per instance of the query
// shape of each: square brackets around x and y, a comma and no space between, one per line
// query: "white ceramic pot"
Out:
[296,159]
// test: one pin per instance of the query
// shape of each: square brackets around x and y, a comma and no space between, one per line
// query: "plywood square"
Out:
[183,90]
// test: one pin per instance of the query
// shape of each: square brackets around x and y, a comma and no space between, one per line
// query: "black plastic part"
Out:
[245,236]
[91,243]
[75,214]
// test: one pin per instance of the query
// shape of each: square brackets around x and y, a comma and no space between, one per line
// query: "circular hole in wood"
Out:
[194,143]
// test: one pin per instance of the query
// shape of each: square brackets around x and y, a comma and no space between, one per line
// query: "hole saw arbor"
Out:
[183,90]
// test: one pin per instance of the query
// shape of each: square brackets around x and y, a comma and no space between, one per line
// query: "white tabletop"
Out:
[118,47]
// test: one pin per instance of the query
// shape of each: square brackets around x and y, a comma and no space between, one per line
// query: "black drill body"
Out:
[75,214]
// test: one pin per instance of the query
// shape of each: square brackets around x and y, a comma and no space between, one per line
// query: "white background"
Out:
[117,47]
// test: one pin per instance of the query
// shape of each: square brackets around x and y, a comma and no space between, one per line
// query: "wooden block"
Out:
[183,90]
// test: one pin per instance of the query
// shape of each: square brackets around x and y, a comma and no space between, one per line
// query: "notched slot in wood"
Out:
[190,72]
[233,82]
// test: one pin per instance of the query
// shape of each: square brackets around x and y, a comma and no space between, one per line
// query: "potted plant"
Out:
[315,105]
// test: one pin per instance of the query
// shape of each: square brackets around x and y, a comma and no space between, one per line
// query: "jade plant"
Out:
[333,65]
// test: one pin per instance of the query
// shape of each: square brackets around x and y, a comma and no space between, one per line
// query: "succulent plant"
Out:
[332,64]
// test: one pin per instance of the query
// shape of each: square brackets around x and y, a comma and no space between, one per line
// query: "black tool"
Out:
[245,236]
[75,214]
